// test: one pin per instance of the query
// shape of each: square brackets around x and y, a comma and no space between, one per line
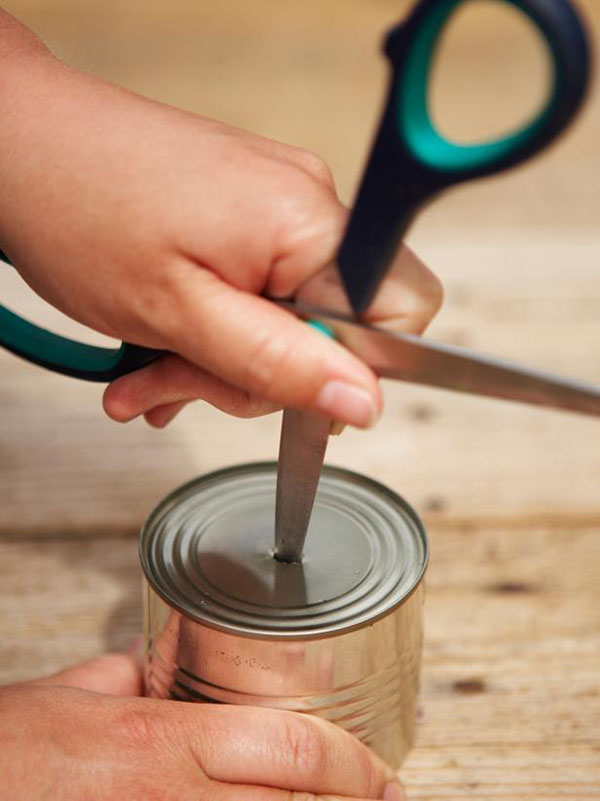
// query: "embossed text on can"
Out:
[338,636]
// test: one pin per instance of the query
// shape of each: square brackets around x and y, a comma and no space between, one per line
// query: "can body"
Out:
[339,637]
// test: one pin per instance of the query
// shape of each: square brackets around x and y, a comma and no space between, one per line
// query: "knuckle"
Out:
[434,293]
[143,726]
[151,307]
[427,296]
[248,407]
[316,166]
[430,288]
[306,748]
[266,366]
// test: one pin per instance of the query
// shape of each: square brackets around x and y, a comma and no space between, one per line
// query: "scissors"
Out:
[409,165]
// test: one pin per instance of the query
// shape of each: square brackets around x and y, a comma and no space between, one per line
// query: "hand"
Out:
[83,734]
[163,228]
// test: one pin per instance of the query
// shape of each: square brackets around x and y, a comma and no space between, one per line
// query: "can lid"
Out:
[207,550]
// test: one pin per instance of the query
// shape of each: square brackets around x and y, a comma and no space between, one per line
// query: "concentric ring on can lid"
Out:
[207,550]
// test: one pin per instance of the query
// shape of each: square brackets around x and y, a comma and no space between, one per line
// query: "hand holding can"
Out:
[337,635]
[83,728]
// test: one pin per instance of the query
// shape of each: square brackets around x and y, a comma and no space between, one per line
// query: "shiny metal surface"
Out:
[406,357]
[365,681]
[208,551]
[338,636]
[301,452]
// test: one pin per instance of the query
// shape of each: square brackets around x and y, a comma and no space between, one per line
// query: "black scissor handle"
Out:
[411,162]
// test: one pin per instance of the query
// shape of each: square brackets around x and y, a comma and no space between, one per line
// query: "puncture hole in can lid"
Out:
[207,549]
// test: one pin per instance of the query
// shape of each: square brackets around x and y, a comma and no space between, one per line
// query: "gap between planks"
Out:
[552,522]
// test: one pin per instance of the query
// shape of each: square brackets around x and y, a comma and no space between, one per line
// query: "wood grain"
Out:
[510,700]
[534,299]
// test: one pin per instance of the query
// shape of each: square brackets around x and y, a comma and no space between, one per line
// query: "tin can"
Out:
[338,635]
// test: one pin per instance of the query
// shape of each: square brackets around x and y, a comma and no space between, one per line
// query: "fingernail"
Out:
[347,403]
[336,428]
[393,792]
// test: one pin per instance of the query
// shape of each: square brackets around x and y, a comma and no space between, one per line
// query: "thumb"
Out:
[111,674]
[258,347]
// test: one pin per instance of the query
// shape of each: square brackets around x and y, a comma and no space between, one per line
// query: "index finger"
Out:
[249,342]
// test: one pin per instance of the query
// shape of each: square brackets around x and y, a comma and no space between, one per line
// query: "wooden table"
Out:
[510,700]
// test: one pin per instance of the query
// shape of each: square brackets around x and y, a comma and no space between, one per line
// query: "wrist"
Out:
[30,81]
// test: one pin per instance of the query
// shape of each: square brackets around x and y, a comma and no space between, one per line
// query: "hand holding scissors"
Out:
[410,163]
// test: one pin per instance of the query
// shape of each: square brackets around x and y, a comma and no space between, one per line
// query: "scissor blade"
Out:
[406,357]
[301,453]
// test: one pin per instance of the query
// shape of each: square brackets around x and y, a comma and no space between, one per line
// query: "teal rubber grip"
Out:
[414,122]
[411,163]
[323,328]
[66,356]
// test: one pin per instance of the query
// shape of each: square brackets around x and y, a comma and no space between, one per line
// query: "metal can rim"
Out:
[265,465]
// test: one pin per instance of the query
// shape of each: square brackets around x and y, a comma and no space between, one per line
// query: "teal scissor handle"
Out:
[67,356]
[411,162]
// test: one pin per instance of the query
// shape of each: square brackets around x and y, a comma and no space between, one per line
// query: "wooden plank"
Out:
[518,256]
[66,468]
[63,601]
[510,682]
[510,702]
[312,74]
[543,773]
